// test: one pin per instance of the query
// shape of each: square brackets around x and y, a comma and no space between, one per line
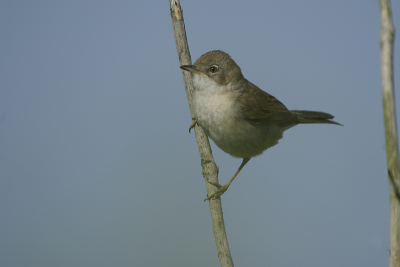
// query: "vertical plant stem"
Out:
[392,151]
[210,170]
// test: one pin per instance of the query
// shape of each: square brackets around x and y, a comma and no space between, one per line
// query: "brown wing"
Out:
[259,107]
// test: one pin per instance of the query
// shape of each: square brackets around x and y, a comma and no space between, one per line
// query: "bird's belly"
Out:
[224,124]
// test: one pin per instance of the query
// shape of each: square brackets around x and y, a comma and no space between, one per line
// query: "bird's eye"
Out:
[213,69]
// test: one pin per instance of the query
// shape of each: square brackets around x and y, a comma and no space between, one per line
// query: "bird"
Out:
[239,117]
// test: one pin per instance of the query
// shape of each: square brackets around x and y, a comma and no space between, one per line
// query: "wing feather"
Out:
[259,107]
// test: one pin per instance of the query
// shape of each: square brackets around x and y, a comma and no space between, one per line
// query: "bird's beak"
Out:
[190,68]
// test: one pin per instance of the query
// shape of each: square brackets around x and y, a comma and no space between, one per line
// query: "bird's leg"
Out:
[222,189]
[192,125]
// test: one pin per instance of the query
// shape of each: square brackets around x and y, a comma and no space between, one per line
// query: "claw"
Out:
[217,193]
[216,184]
[192,125]
[222,189]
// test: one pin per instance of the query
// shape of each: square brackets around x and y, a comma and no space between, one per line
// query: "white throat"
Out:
[202,83]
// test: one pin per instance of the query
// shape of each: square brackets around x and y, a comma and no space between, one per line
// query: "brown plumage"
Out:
[259,107]
[239,117]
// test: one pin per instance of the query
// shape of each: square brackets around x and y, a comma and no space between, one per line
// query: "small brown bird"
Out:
[239,117]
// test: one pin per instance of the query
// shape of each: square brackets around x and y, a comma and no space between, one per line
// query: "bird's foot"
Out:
[192,125]
[216,184]
[220,191]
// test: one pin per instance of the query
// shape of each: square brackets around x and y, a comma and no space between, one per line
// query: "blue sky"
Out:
[97,167]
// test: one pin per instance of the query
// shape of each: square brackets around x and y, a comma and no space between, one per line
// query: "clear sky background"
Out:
[97,167]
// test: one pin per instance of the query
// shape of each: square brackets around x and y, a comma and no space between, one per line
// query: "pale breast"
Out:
[217,111]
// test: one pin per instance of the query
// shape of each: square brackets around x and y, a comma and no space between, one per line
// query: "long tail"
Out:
[305,116]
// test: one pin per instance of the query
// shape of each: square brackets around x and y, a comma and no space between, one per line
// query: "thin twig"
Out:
[392,151]
[210,170]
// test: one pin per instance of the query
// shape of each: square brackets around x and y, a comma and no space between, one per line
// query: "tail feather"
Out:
[305,116]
